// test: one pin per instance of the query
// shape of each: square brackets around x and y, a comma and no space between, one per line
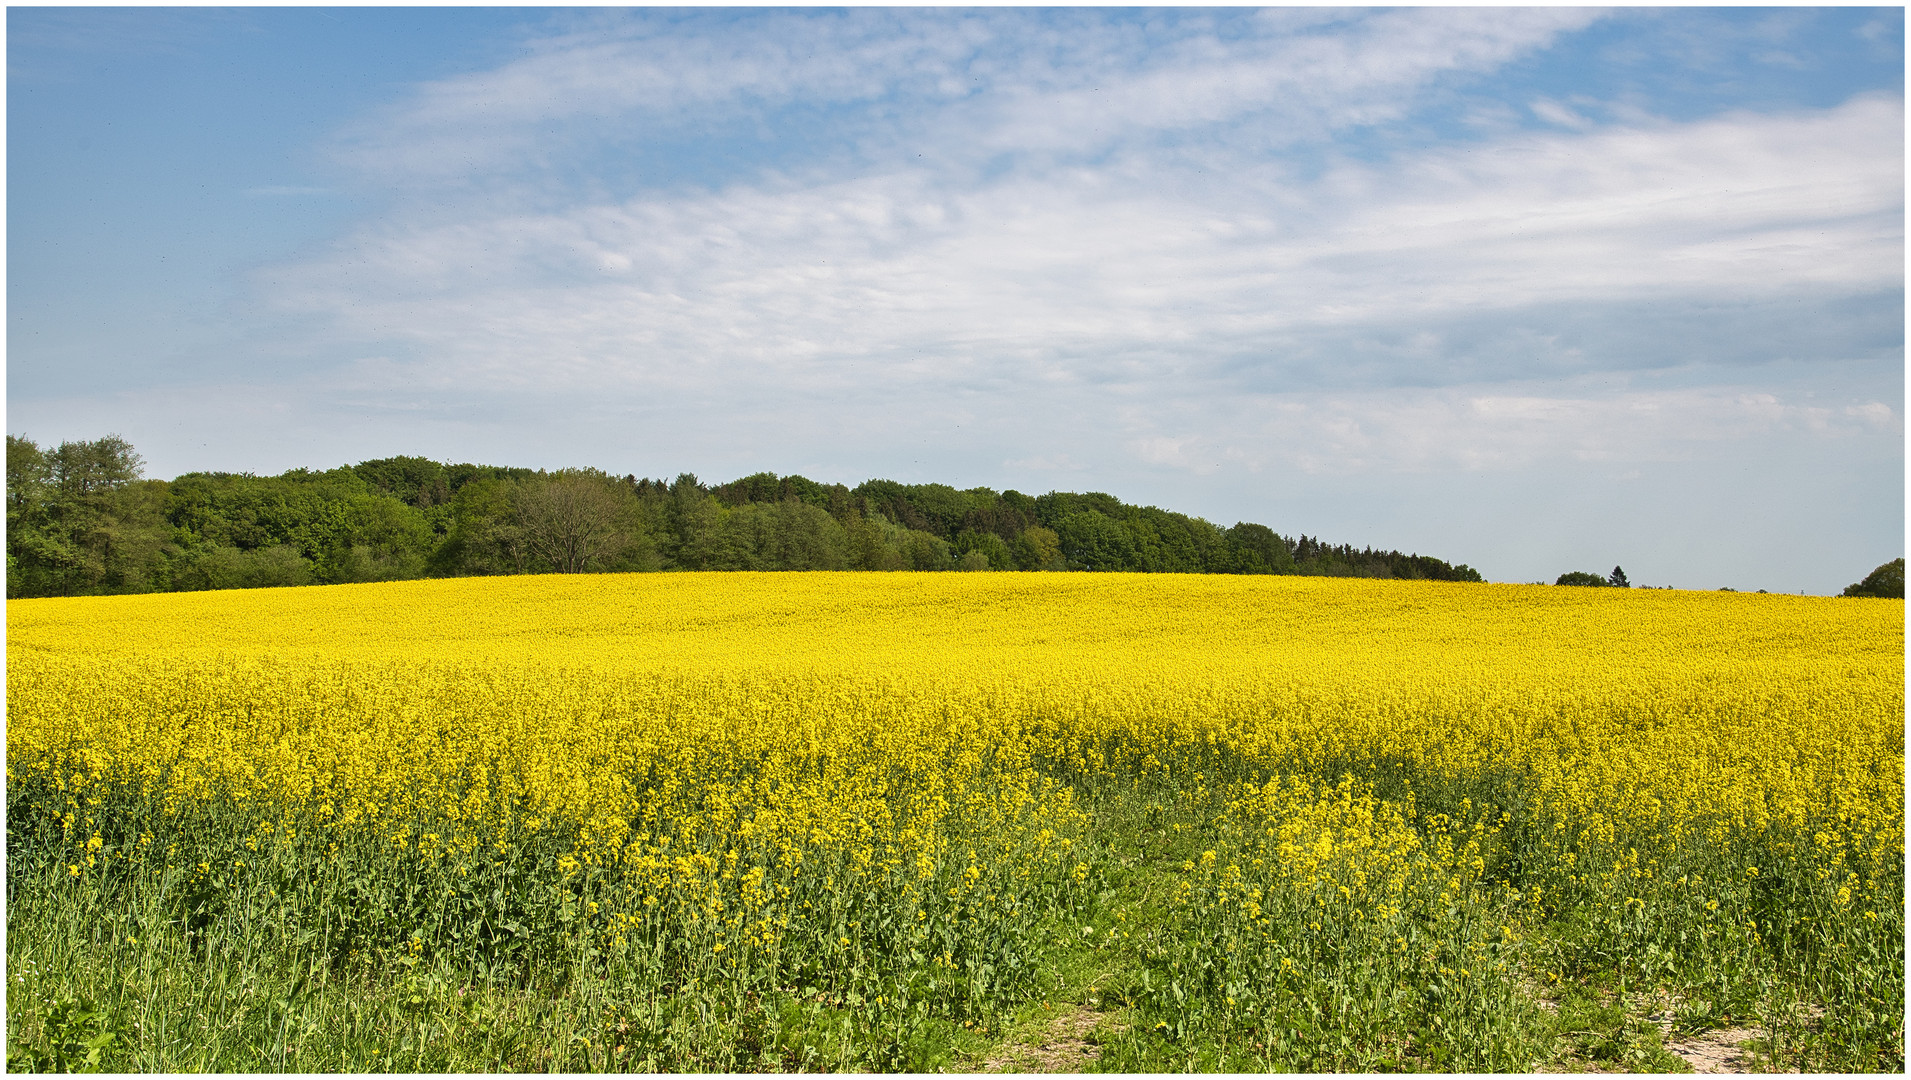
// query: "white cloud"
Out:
[965,85]
[1493,429]
[1740,205]
[1877,414]
[910,281]
[1554,113]
[1311,79]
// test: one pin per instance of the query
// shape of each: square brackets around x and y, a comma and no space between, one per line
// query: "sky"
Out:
[1532,289]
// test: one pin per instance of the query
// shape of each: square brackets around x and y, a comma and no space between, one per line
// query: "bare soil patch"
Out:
[1066,1045]
[1719,1051]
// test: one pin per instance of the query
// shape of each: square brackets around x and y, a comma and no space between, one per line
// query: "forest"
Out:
[83,520]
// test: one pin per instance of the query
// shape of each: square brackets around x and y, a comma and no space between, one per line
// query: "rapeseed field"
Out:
[840,821]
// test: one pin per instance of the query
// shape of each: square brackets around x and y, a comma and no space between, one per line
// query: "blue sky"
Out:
[1532,289]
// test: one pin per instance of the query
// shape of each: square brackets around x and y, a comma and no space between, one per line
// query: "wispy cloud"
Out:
[1152,272]
[1500,429]
[953,87]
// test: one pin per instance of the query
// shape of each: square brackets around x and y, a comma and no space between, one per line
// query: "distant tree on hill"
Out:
[1038,548]
[579,520]
[1581,577]
[231,568]
[419,482]
[690,516]
[1885,581]
[1617,579]
[785,535]
[868,544]
[923,551]
[992,548]
[1257,549]
[1093,541]
[80,520]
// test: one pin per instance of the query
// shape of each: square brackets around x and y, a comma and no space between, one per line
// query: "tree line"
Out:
[82,519]
[1886,581]
[1616,579]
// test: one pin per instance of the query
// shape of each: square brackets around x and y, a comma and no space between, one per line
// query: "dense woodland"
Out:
[82,520]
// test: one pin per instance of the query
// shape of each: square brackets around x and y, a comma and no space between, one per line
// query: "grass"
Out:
[1593,1028]
[104,976]
[95,986]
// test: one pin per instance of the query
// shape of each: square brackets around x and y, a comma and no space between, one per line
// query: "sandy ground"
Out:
[1714,1051]
[1063,1047]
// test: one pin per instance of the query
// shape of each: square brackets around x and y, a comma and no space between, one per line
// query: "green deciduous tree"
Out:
[1090,540]
[787,535]
[1038,548]
[1257,549]
[993,549]
[868,545]
[484,537]
[80,521]
[573,521]
[690,525]
[923,551]
[221,567]
[1885,581]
